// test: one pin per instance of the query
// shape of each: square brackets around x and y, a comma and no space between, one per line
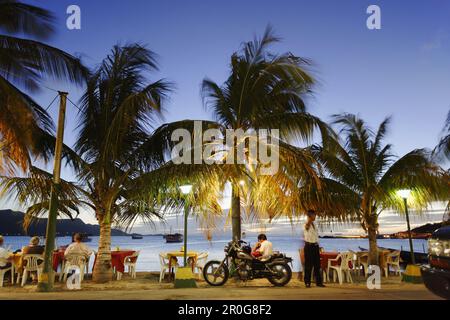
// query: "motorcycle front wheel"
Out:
[283,274]
[214,274]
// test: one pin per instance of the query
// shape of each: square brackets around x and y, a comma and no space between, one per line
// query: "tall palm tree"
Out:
[112,150]
[263,91]
[363,173]
[443,149]
[25,63]
[444,145]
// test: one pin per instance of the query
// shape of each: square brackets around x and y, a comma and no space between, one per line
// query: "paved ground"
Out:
[146,287]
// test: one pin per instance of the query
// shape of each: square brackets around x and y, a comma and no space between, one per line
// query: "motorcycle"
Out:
[246,267]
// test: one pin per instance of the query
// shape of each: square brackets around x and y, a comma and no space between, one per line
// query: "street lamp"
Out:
[404,194]
[185,190]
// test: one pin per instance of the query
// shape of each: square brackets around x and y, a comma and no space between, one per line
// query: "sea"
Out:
[151,246]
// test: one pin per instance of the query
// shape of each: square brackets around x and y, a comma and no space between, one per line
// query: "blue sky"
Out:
[402,70]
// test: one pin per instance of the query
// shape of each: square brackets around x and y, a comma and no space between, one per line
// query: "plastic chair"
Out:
[130,262]
[2,274]
[383,258]
[363,261]
[74,260]
[164,262]
[393,260]
[341,269]
[200,263]
[354,261]
[31,264]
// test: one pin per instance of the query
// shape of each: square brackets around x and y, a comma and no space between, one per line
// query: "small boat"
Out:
[136,236]
[174,237]
[419,257]
[85,237]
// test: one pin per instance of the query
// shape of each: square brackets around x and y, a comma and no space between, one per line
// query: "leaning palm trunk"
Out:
[236,213]
[102,270]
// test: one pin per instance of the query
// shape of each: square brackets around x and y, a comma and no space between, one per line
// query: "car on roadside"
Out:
[436,275]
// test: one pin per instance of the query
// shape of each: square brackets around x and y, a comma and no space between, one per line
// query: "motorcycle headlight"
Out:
[439,248]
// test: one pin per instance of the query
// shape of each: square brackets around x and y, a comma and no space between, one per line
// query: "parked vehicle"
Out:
[245,267]
[436,275]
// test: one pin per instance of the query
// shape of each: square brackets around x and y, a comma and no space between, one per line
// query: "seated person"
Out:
[78,247]
[5,256]
[64,247]
[33,247]
[263,249]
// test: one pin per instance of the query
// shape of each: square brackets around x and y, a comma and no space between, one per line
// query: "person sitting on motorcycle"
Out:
[263,248]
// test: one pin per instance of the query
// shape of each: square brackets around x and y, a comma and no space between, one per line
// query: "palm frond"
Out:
[26,62]
[21,18]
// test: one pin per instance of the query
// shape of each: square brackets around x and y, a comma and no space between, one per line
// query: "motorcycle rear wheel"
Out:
[284,274]
[215,276]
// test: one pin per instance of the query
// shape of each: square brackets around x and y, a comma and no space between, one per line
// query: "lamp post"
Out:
[184,278]
[186,190]
[46,277]
[404,194]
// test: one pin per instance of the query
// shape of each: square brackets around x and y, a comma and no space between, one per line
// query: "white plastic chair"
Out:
[2,274]
[88,260]
[130,262]
[200,263]
[341,269]
[164,262]
[74,260]
[31,263]
[393,260]
[354,257]
[363,261]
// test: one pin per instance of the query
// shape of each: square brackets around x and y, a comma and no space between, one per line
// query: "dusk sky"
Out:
[402,70]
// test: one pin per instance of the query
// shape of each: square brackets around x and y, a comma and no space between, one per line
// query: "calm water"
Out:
[150,247]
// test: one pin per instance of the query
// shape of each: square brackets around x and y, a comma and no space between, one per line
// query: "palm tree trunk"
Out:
[373,247]
[102,271]
[236,213]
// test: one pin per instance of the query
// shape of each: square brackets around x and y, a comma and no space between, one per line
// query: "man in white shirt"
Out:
[263,248]
[5,256]
[78,247]
[312,254]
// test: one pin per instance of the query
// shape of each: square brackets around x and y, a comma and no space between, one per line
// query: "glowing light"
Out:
[404,193]
[186,189]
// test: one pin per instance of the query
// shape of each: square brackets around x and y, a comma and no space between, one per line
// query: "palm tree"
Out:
[444,145]
[443,149]
[25,63]
[263,91]
[112,150]
[364,174]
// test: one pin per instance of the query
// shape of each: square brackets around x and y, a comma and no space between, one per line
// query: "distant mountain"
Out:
[11,224]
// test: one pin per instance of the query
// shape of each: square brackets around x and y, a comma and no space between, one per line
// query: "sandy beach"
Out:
[147,287]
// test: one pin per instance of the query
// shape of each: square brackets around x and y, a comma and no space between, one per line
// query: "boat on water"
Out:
[86,239]
[173,237]
[136,236]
